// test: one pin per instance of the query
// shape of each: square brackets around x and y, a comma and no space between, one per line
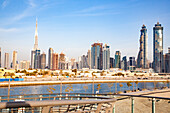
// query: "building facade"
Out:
[106,57]
[96,56]
[143,49]
[62,61]
[14,60]
[50,58]
[158,48]
[6,61]
[131,63]
[55,62]
[0,58]
[167,62]
[43,61]
[117,59]
[37,59]
[24,64]
[124,63]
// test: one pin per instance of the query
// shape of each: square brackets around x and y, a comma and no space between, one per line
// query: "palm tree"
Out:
[136,84]
[110,86]
[129,84]
[121,85]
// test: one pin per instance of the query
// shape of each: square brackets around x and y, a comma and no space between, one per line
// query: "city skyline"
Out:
[65,37]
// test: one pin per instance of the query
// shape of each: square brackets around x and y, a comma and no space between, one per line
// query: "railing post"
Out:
[132,98]
[153,105]
[113,108]
[40,97]
[114,105]
[78,99]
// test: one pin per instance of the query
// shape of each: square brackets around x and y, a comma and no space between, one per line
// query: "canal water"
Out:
[81,88]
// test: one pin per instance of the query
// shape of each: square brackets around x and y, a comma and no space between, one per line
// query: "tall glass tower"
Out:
[106,57]
[117,59]
[50,58]
[96,56]
[158,48]
[143,50]
[35,53]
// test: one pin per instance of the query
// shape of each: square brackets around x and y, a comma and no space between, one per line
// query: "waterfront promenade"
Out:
[32,82]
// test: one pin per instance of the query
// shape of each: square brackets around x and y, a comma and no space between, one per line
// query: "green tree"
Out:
[120,85]
[69,88]
[129,84]
[136,84]
[110,85]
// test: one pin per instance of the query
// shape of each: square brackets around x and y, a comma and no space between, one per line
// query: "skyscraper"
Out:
[43,60]
[55,61]
[167,62]
[62,61]
[143,50]
[112,62]
[131,63]
[96,56]
[124,63]
[35,57]
[89,58]
[50,58]
[24,64]
[117,59]
[158,48]
[14,60]
[106,57]
[0,57]
[6,61]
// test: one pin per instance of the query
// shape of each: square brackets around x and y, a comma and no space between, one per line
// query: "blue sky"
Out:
[71,26]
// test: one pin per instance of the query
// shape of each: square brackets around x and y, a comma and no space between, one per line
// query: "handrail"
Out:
[43,103]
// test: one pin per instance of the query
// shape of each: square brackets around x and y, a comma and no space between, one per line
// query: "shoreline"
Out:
[34,83]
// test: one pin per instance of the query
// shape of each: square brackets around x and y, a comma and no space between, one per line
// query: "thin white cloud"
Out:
[95,8]
[4,4]
[27,12]
[8,30]
[95,14]
[96,11]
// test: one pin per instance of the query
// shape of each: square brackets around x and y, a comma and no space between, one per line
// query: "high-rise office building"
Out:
[50,58]
[117,59]
[24,64]
[124,63]
[37,59]
[89,58]
[143,50]
[83,62]
[166,68]
[72,63]
[6,61]
[106,57]
[96,56]
[35,53]
[0,58]
[14,60]
[112,62]
[55,61]
[43,60]
[62,61]
[158,48]
[131,63]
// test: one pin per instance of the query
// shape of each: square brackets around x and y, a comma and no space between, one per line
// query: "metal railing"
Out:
[74,102]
